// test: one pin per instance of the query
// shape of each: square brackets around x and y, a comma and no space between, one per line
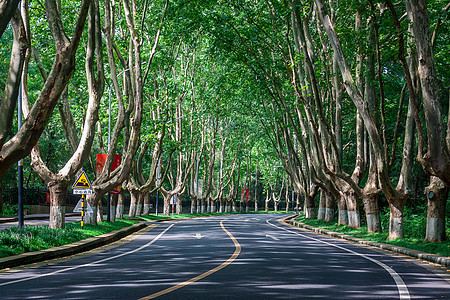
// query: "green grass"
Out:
[411,241]
[33,238]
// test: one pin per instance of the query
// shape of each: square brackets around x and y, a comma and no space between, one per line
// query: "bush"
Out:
[11,210]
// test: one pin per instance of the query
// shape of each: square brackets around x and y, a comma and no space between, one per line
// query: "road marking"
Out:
[233,257]
[272,237]
[89,264]
[401,286]
[198,236]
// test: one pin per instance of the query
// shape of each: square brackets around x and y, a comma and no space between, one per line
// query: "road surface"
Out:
[232,257]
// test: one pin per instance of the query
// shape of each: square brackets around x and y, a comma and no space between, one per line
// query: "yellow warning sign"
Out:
[82,182]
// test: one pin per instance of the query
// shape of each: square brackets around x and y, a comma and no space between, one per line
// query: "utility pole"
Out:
[108,205]
[158,181]
[20,163]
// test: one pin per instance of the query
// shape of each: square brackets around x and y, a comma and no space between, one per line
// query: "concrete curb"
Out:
[441,260]
[69,249]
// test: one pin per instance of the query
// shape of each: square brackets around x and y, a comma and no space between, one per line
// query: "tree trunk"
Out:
[437,194]
[99,212]
[396,228]
[166,208]
[91,218]
[329,208]
[372,211]
[146,210]
[140,204]
[112,207]
[193,206]
[354,218]
[203,209]
[120,205]
[221,206]
[58,192]
[309,207]
[133,202]
[343,211]
[321,210]
[179,207]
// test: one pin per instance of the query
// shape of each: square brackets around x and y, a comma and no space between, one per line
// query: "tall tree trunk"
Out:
[58,193]
[396,226]
[321,210]
[133,202]
[343,210]
[146,210]
[112,207]
[351,200]
[437,195]
[120,205]
[329,207]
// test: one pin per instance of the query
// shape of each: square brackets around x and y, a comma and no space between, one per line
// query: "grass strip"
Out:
[414,243]
[34,238]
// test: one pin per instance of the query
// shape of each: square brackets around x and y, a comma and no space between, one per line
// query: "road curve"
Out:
[233,257]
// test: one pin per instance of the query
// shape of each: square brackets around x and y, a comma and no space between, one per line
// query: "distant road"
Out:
[39,221]
[233,257]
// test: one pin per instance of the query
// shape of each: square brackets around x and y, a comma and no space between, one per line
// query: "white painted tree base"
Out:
[112,213]
[57,217]
[309,213]
[435,229]
[321,213]
[354,219]
[329,214]
[146,210]
[343,217]
[119,211]
[396,228]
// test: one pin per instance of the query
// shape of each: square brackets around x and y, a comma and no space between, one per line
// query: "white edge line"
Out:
[401,286]
[89,264]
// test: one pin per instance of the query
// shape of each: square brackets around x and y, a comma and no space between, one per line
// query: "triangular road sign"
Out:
[79,208]
[82,182]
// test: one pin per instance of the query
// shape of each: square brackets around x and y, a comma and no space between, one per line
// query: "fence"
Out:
[33,196]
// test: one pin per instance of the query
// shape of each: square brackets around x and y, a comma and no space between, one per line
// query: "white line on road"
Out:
[401,286]
[89,264]
[272,237]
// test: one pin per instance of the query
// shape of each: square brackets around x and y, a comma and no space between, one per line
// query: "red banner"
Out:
[245,193]
[101,159]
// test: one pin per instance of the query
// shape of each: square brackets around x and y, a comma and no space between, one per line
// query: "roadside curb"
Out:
[69,249]
[441,260]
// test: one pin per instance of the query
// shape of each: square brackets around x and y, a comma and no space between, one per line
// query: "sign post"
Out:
[174,201]
[82,187]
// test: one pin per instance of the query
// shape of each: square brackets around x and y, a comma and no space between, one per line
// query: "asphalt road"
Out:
[234,257]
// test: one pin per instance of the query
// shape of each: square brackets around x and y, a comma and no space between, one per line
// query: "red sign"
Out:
[245,193]
[101,159]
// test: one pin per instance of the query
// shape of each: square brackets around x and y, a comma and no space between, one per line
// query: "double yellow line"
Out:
[233,257]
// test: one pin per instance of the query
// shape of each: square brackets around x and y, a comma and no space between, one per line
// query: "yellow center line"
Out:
[233,257]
